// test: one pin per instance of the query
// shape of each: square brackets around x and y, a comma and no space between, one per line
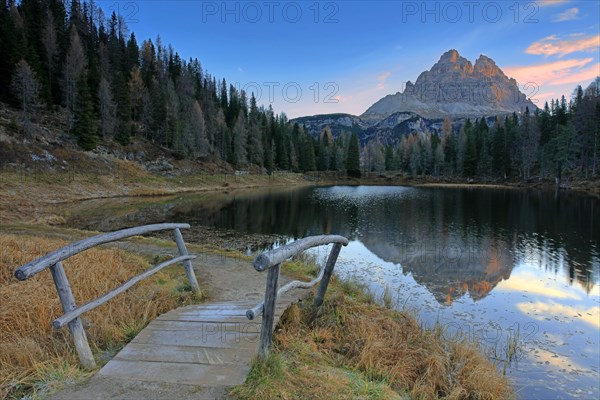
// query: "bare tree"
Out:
[199,131]
[75,64]
[25,87]
[108,109]
[50,43]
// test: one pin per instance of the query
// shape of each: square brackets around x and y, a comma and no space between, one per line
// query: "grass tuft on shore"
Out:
[355,348]
[34,359]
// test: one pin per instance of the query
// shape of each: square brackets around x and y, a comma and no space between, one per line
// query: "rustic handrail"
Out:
[28,270]
[272,260]
[90,305]
[72,313]
[277,256]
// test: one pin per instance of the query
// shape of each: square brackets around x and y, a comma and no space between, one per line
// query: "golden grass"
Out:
[30,351]
[354,343]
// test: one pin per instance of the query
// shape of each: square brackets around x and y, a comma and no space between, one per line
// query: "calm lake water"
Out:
[496,266]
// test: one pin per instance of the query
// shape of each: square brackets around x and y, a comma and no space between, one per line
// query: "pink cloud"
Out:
[553,73]
[382,78]
[567,15]
[552,45]
[544,3]
[581,76]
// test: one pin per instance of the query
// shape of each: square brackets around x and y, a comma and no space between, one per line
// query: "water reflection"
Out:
[452,241]
[491,264]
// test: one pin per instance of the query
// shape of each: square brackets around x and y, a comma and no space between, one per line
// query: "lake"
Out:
[516,270]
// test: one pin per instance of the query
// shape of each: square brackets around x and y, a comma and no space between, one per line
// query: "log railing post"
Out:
[266,331]
[335,251]
[187,264]
[76,326]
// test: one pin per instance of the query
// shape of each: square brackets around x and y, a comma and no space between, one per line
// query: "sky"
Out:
[321,57]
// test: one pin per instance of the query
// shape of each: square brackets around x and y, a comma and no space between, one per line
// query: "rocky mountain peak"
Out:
[456,88]
[450,56]
[487,67]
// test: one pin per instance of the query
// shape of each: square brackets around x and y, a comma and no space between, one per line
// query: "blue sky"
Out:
[310,57]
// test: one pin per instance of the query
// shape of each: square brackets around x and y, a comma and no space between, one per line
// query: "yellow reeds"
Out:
[30,351]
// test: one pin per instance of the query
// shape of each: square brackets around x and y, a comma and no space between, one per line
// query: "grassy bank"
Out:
[30,196]
[34,359]
[355,348]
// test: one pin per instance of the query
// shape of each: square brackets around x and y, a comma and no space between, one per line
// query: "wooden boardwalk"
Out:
[197,351]
[196,345]
[193,352]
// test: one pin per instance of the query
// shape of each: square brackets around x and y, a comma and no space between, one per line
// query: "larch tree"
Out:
[50,42]
[25,88]
[201,145]
[74,67]
[107,109]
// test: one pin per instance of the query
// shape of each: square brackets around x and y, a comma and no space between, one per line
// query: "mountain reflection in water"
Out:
[491,264]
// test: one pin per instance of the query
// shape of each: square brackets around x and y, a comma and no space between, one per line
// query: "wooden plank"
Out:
[212,335]
[86,358]
[71,315]
[271,258]
[182,373]
[184,354]
[205,319]
[36,266]
[189,269]
[194,325]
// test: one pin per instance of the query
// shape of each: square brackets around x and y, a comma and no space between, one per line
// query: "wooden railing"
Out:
[72,312]
[272,260]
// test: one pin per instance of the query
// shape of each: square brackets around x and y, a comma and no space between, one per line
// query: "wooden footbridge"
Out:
[197,351]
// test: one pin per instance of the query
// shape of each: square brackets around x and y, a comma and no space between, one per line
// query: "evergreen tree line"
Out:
[113,89]
[562,138]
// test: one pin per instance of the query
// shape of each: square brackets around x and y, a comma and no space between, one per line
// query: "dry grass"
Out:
[32,355]
[357,349]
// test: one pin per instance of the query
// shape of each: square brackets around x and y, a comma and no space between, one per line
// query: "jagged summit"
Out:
[455,87]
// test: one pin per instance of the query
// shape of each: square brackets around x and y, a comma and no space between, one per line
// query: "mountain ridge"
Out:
[453,87]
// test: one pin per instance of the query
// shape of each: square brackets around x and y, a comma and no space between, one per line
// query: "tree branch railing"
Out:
[272,260]
[72,313]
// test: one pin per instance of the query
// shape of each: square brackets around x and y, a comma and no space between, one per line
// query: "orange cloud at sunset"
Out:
[552,45]
[553,73]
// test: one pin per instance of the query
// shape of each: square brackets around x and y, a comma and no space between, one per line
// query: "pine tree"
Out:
[240,140]
[470,152]
[84,117]
[353,158]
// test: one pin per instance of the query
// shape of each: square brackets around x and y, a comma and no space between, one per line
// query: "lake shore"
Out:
[588,186]
[32,198]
